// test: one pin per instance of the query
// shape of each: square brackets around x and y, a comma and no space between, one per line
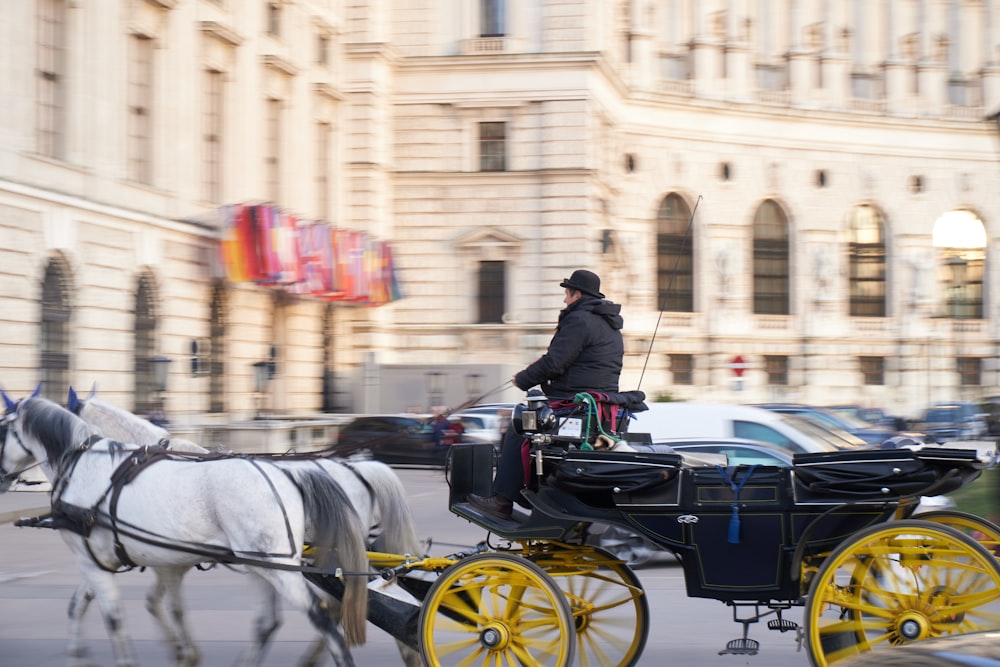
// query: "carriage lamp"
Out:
[535,417]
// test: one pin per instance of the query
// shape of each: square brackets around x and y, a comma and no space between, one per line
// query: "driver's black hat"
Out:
[584,281]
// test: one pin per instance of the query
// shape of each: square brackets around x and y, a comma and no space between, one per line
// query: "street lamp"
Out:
[435,387]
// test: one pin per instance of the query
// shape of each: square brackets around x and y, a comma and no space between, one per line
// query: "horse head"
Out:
[10,465]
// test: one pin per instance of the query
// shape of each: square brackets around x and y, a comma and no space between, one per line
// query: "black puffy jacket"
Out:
[585,353]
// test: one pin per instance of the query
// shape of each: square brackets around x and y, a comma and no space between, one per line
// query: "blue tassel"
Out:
[734,520]
[734,525]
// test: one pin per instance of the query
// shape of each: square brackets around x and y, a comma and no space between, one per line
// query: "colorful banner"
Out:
[264,245]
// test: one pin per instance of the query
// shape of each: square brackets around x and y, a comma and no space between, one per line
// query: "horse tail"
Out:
[339,540]
[398,527]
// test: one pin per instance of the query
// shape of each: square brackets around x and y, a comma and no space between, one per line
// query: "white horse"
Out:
[117,511]
[375,490]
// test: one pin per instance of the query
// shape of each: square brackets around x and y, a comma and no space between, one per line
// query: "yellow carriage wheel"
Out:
[610,609]
[985,532]
[496,610]
[899,582]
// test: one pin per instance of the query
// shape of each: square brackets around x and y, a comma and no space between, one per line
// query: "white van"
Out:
[669,421]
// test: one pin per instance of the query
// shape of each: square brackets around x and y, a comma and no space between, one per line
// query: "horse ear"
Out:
[93,390]
[73,401]
[37,392]
[11,405]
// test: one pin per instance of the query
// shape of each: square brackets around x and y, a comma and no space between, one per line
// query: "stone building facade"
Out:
[808,186]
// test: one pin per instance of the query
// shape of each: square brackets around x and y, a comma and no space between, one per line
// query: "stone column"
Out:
[739,68]
[707,51]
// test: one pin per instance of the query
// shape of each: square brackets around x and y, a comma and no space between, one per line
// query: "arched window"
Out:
[217,349]
[770,260]
[145,344]
[55,343]
[960,240]
[674,256]
[866,256]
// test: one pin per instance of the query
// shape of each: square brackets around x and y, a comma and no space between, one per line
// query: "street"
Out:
[37,578]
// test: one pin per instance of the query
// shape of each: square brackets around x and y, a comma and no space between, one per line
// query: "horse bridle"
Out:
[4,428]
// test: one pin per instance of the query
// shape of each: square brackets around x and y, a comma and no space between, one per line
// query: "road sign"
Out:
[738,365]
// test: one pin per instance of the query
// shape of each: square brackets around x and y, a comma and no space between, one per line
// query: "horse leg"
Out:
[314,656]
[105,591]
[266,622]
[411,656]
[172,622]
[292,587]
[75,648]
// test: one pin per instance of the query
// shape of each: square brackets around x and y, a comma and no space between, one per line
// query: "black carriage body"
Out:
[751,553]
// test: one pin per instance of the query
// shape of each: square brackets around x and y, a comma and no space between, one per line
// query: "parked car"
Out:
[990,409]
[480,426]
[678,420]
[876,416]
[957,420]
[394,439]
[972,649]
[870,433]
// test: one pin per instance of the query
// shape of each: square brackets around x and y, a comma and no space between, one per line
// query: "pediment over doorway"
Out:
[488,242]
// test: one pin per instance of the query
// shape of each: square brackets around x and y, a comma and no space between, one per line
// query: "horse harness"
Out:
[82,520]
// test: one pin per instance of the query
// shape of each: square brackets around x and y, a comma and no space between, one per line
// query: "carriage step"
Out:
[741,646]
[782,625]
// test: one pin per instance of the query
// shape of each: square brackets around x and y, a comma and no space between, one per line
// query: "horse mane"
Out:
[58,430]
[139,430]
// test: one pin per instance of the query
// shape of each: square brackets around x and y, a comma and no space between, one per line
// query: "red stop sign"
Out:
[738,366]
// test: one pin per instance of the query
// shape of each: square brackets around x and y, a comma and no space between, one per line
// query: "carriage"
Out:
[834,535]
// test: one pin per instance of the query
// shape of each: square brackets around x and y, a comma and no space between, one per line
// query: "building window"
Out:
[272,151]
[960,239]
[970,371]
[674,256]
[322,49]
[492,292]
[329,400]
[776,368]
[55,343]
[273,18]
[492,146]
[866,256]
[140,106]
[491,18]
[873,370]
[324,133]
[682,368]
[770,260]
[217,350]
[212,148]
[50,71]
[145,345]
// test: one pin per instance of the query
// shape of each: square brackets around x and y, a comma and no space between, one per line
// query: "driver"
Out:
[585,354]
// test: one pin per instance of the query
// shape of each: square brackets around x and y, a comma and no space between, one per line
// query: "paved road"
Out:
[37,578]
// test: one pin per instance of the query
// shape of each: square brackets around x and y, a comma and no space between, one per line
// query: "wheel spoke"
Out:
[896,583]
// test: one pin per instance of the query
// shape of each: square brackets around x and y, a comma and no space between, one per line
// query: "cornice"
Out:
[221,32]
